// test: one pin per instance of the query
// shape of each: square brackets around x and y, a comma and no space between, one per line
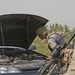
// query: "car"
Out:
[17,54]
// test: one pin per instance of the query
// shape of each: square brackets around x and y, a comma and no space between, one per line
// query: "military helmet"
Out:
[41,31]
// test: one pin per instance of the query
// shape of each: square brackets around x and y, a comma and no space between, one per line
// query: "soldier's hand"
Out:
[49,57]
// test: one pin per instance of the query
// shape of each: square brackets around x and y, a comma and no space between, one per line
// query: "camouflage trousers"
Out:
[71,68]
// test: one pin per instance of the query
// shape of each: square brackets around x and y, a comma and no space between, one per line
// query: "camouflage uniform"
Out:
[50,41]
[53,39]
[71,68]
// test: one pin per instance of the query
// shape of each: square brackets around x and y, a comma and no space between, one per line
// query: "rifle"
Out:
[48,67]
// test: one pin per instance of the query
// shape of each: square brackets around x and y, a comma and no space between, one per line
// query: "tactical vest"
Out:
[54,39]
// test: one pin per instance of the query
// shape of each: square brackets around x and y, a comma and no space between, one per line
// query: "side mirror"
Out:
[32,47]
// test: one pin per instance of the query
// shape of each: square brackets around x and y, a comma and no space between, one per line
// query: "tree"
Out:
[56,27]
[73,29]
[61,28]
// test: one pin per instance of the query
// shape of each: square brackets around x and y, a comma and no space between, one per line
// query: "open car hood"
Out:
[18,30]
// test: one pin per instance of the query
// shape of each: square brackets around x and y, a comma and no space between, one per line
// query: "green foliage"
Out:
[41,46]
[58,27]
[73,30]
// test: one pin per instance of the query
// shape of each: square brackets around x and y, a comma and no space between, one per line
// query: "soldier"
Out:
[52,39]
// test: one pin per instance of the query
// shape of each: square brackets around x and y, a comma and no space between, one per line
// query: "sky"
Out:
[56,11]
